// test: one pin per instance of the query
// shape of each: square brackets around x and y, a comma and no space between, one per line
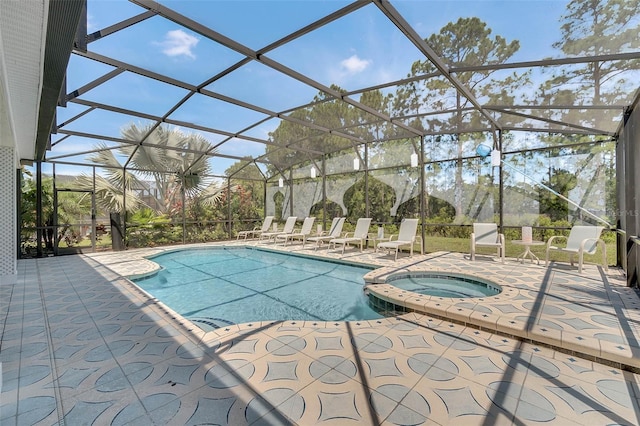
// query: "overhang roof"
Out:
[36,39]
[22,43]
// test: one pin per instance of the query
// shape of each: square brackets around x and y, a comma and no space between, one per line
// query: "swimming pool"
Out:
[445,285]
[220,286]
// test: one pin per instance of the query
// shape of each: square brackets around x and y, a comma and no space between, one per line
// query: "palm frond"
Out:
[108,196]
[105,156]
[212,194]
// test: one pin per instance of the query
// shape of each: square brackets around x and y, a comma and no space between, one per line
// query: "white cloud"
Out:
[179,43]
[91,24]
[354,65]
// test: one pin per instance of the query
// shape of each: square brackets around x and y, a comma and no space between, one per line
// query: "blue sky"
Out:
[359,50]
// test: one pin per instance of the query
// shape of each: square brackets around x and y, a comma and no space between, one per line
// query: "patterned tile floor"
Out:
[82,345]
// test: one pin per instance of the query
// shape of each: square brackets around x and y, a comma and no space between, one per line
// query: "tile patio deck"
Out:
[82,345]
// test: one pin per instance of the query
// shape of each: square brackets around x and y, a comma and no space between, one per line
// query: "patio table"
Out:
[527,249]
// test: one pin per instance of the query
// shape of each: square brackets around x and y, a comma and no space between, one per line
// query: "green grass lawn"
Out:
[463,245]
[433,244]
[102,242]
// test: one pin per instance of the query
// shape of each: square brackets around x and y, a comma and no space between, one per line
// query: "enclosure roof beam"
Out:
[556,122]
[249,162]
[94,136]
[185,124]
[112,139]
[291,73]
[549,62]
[75,117]
[128,142]
[351,7]
[548,130]
[290,37]
[487,119]
[394,83]
[60,140]
[556,107]
[135,69]
[91,151]
[110,108]
[95,83]
[257,56]
[119,26]
[73,163]
[177,123]
[431,55]
[497,67]
[195,89]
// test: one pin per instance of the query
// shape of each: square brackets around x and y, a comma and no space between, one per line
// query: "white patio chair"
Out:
[582,239]
[486,235]
[335,230]
[304,232]
[359,235]
[288,228]
[406,237]
[266,225]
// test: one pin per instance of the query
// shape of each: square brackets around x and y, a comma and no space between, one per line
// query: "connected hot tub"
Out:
[441,284]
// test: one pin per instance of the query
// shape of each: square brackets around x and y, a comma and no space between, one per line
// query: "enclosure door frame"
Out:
[56,225]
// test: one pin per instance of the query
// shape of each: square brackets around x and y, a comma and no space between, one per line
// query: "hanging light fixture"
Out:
[313,172]
[486,151]
[414,160]
[281,183]
[495,158]
[356,163]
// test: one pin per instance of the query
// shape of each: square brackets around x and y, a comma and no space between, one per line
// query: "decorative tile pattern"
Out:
[84,346]
[460,402]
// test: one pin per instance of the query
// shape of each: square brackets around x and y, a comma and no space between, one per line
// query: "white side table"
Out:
[527,249]
[373,236]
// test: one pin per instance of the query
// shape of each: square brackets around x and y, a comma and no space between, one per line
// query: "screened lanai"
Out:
[189,121]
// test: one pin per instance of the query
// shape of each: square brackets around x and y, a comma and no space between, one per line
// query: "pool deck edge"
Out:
[519,323]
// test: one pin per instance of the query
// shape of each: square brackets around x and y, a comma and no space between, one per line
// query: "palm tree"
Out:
[171,159]
[109,192]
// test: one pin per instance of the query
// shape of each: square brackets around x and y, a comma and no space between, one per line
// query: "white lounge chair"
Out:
[406,237]
[266,225]
[486,235]
[582,239]
[304,232]
[359,235]
[288,228]
[335,230]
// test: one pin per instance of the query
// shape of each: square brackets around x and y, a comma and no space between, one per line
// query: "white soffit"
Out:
[22,40]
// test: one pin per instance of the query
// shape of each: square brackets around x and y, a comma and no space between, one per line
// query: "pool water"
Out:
[446,285]
[217,287]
